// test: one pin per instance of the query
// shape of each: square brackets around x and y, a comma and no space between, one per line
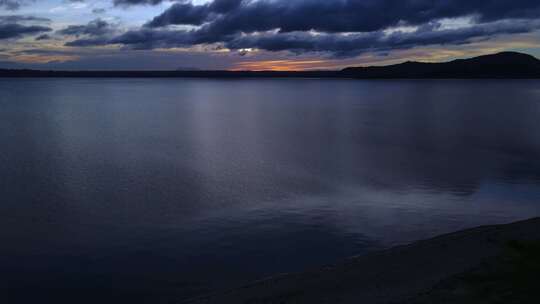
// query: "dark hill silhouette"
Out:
[502,65]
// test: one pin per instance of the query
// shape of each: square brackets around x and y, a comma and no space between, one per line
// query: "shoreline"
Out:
[504,65]
[394,275]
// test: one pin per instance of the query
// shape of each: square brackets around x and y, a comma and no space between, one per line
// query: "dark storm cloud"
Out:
[17,26]
[353,44]
[217,5]
[95,33]
[96,41]
[137,2]
[336,16]
[151,39]
[337,44]
[43,37]
[15,30]
[182,13]
[128,2]
[96,27]
[339,28]
[22,18]
[190,14]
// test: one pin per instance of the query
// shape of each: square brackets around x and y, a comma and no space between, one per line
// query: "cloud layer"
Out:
[338,28]
[336,16]
[17,26]
[328,29]
[10,4]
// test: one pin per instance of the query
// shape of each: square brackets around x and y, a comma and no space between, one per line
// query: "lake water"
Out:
[156,190]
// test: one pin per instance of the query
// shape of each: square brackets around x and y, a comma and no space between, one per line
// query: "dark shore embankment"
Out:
[438,269]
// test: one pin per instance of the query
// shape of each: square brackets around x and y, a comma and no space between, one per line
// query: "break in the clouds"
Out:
[325,29]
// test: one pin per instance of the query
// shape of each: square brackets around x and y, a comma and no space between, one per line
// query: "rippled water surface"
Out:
[155,190]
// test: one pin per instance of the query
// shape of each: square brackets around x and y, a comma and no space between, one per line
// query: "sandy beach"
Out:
[396,275]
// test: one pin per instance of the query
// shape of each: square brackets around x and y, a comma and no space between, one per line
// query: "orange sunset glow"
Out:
[283,65]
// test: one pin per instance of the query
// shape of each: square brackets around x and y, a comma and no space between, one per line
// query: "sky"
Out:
[258,34]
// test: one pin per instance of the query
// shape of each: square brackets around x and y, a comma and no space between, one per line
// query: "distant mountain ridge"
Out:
[505,65]
[500,65]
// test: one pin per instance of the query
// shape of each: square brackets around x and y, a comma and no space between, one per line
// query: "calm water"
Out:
[158,190]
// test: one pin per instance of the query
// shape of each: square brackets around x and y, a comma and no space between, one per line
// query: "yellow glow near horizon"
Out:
[43,59]
[424,54]
[282,65]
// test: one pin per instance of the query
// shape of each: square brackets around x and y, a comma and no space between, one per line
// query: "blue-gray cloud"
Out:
[335,16]
[22,18]
[336,44]
[136,2]
[10,4]
[343,28]
[99,11]
[14,30]
[186,13]
[96,27]
[94,33]
[43,37]
[18,26]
